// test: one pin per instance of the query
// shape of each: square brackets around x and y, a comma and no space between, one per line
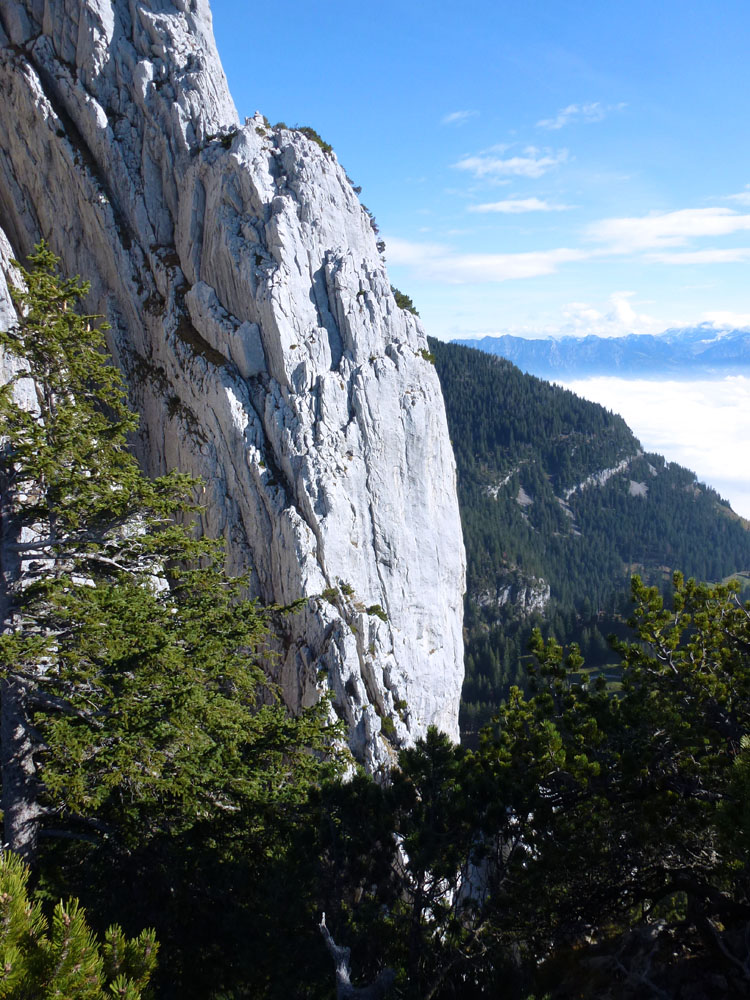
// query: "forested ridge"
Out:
[536,507]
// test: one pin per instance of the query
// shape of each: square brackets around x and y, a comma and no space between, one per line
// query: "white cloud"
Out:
[617,319]
[533,163]
[734,255]
[412,254]
[727,319]
[438,262]
[704,426]
[742,198]
[666,229]
[458,117]
[588,113]
[513,206]
[623,314]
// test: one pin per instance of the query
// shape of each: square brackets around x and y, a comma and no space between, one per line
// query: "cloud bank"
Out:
[515,206]
[492,164]
[439,262]
[725,318]
[734,255]
[704,425]
[665,229]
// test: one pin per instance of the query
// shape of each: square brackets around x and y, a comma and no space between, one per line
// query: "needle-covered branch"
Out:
[129,661]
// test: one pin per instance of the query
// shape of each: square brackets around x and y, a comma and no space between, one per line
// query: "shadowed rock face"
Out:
[252,315]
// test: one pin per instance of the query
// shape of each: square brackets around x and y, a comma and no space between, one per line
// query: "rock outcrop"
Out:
[525,595]
[251,312]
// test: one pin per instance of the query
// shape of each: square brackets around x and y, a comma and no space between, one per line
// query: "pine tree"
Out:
[129,660]
[64,959]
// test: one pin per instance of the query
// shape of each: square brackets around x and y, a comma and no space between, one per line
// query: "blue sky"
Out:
[536,167]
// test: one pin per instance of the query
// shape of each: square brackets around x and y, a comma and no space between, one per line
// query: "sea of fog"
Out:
[703,425]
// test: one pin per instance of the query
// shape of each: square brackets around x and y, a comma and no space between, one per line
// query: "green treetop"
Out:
[62,958]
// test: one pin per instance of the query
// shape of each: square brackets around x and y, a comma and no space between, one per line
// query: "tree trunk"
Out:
[17,768]
[19,799]
[344,988]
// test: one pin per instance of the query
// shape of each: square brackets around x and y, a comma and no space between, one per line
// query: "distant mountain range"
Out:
[690,352]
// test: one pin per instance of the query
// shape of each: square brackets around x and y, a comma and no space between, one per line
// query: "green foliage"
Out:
[388,860]
[161,754]
[387,726]
[626,799]
[147,697]
[403,301]
[225,138]
[162,721]
[65,959]
[373,224]
[592,845]
[54,450]
[355,187]
[594,842]
[310,133]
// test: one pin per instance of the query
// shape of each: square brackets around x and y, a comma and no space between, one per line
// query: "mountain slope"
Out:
[689,352]
[560,507]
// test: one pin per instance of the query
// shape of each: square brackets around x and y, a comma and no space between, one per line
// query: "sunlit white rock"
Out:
[252,315]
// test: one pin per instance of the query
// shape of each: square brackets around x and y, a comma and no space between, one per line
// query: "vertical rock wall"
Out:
[252,315]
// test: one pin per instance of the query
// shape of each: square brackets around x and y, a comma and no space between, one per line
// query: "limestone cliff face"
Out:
[252,315]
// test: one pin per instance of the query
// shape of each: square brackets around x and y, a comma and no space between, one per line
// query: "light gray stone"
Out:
[252,315]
